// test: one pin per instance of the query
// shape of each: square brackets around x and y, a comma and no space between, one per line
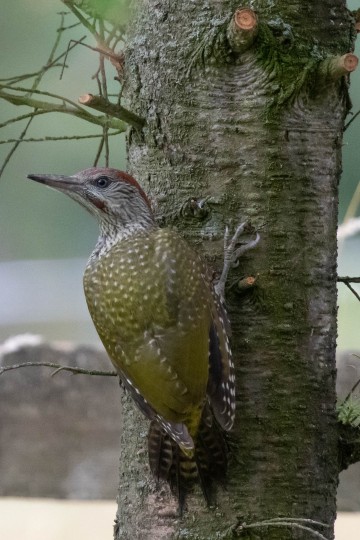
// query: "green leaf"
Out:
[114,11]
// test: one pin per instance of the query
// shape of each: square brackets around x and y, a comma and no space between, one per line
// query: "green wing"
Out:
[153,307]
[167,359]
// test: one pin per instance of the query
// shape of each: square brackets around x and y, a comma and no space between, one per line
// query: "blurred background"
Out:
[45,238]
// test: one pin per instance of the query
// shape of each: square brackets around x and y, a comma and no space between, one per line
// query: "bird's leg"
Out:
[231,255]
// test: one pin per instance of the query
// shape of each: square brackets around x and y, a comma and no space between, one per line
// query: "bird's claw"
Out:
[232,255]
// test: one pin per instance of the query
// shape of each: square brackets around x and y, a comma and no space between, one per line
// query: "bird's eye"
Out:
[102,182]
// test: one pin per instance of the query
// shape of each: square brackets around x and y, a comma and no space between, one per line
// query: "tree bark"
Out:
[257,136]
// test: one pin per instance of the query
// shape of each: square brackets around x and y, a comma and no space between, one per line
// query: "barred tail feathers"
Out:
[207,465]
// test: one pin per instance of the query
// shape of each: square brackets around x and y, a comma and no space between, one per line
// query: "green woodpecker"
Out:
[162,323]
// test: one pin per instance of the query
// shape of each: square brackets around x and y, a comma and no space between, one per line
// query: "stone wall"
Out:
[59,436]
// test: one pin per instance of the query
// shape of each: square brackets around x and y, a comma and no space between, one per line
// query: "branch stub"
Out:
[85,99]
[335,67]
[245,19]
[242,29]
[350,62]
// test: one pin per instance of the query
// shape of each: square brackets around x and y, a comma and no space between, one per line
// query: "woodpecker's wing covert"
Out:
[221,385]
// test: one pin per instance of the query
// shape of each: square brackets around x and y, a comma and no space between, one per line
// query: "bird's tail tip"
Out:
[207,466]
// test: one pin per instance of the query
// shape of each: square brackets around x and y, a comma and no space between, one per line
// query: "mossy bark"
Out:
[258,137]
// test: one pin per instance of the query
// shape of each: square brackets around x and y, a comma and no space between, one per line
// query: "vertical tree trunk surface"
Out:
[257,134]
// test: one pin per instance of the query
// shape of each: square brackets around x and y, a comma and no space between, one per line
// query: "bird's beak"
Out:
[57,181]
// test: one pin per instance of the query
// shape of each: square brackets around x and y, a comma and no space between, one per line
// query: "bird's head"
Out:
[114,197]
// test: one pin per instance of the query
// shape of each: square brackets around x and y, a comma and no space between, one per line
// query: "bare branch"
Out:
[22,117]
[103,105]
[347,279]
[13,149]
[60,30]
[64,138]
[351,121]
[52,62]
[116,59]
[82,19]
[42,93]
[354,387]
[103,44]
[300,520]
[292,524]
[49,65]
[98,153]
[352,290]
[67,106]
[57,367]
[107,148]
[18,78]
[51,107]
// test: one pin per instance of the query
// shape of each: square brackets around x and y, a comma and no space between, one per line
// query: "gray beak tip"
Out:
[56,181]
[36,177]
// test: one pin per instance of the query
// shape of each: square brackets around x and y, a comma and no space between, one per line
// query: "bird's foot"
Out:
[233,253]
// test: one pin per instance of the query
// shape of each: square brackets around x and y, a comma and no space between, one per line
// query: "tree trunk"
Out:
[249,129]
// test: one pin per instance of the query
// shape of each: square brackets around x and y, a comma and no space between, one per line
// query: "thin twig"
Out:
[352,290]
[82,19]
[13,149]
[71,45]
[351,121]
[98,153]
[74,109]
[38,78]
[64,53]
[14,80]
[19,77]
[104,51]
[64,138]
[22,117]
[103,77]
[301,520]
[348,279]
[36,82]
[112,35]
[71,26]
[74,370]
[104,93]
[106,144]
[290,524]
[96,77]
[351,391]
[46,67]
